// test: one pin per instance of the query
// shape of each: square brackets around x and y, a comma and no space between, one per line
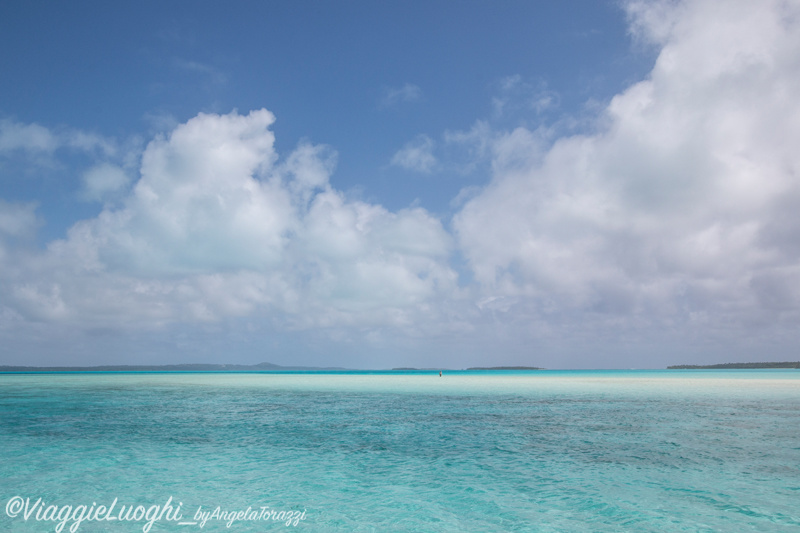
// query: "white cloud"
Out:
[28,137]
[88,142]
[104,182]
[407,93]
[675,220]
[200,204]
[36,140]
[217,227]
[17,220]
[680,203]
[417,155]
[308,169]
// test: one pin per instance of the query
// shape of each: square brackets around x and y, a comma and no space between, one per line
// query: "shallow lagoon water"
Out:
[410,451]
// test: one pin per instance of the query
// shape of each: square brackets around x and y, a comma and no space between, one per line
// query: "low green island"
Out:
[724,366]
[505,368]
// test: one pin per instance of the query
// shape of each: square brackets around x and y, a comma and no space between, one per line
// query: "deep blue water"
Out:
[410,451]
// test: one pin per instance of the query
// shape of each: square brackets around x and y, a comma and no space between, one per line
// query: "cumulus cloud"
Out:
[678,207]
[217,226]
[417,155]
[199,204]
[676,215]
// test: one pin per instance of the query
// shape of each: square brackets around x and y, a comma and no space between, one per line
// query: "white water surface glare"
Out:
[545,451]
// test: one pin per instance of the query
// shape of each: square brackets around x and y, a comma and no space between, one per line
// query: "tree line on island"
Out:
[270,367]
[723,366]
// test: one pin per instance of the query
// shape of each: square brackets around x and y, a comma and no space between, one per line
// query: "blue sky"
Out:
[361,77]
[559,184]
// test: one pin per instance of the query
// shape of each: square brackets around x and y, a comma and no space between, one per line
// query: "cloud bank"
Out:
[674,222]
[216,227]
[681,210]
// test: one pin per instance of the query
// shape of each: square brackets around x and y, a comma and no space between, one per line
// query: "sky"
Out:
[580,184]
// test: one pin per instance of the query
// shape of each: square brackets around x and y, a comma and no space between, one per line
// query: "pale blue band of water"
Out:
[410,451]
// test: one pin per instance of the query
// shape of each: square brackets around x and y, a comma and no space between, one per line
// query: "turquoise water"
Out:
[491,451]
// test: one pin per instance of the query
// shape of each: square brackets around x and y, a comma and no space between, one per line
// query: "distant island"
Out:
[505,368]
[191,367]
[785,364]
[411,368]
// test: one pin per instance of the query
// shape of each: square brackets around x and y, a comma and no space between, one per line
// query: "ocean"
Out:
[549,451]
